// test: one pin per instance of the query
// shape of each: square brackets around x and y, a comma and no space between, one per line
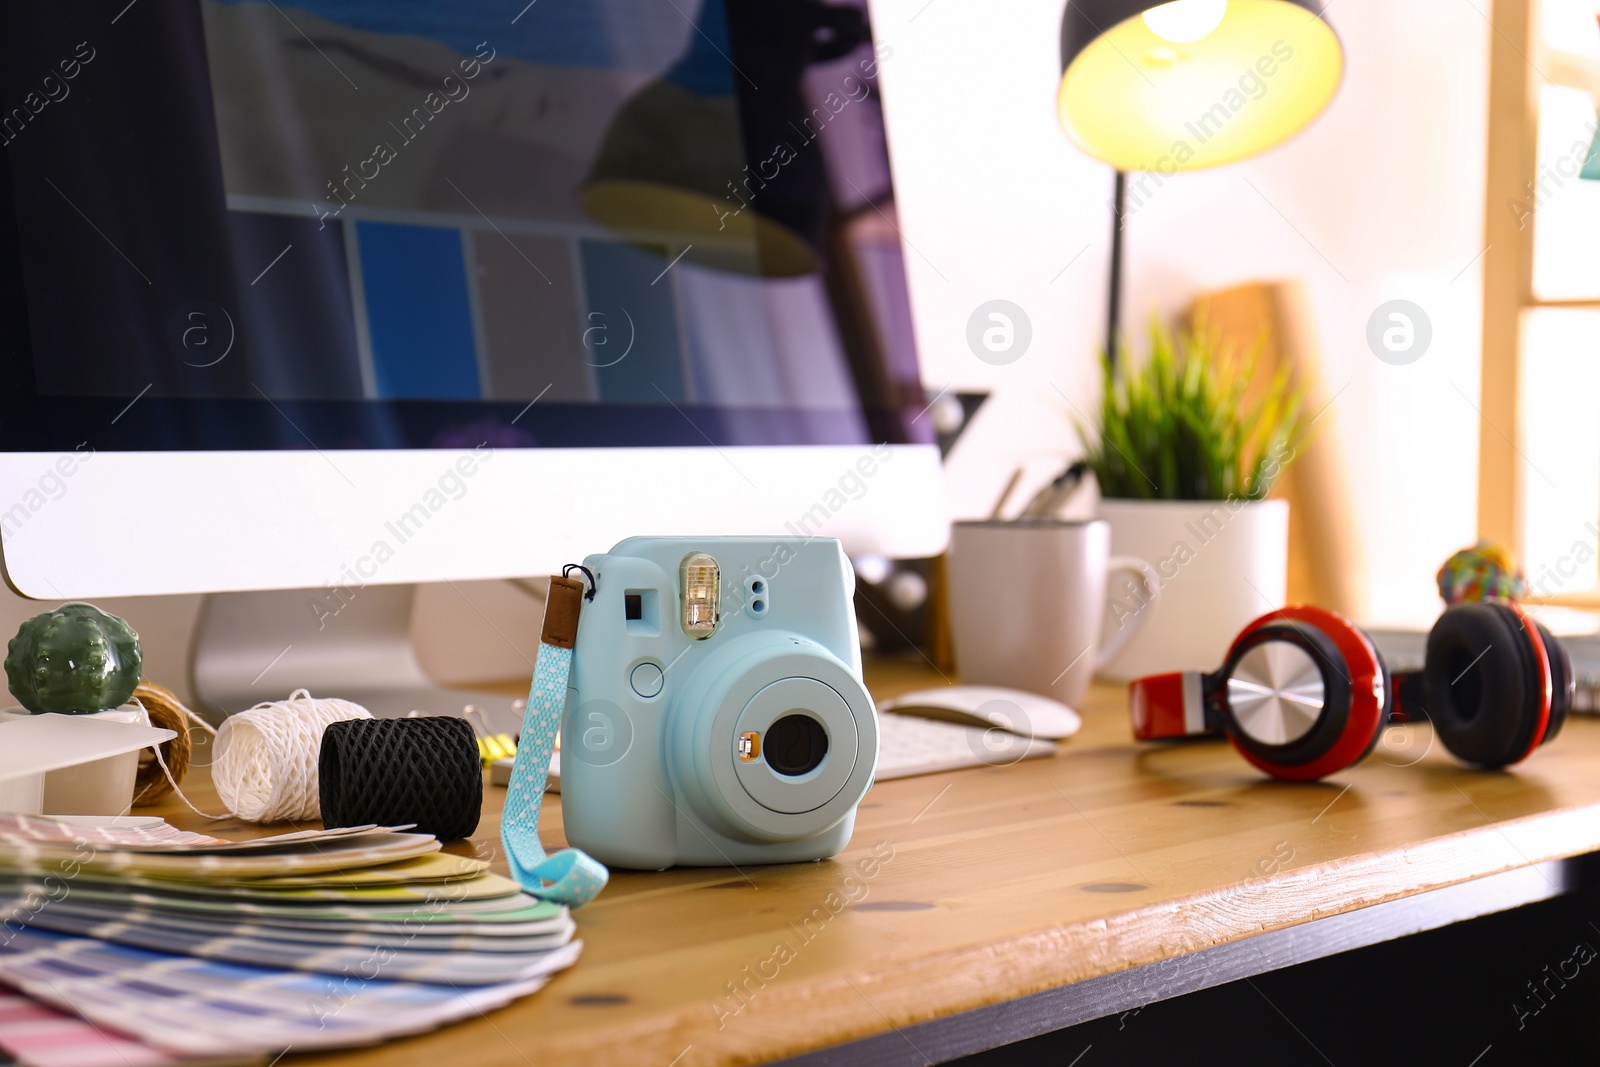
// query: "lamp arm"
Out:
[1119,212]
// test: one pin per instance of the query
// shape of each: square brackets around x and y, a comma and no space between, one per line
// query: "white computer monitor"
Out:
[141,523]
[334,298]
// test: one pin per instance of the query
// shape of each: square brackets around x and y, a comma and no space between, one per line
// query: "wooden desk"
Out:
[1011,901]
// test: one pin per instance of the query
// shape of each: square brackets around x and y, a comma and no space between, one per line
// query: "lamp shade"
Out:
[702,159]
[1192,83]
[671,173]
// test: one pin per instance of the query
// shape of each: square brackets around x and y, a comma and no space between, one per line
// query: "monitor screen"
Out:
[355,224]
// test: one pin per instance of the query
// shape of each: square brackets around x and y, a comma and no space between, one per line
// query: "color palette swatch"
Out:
[172,943]
[35,1035]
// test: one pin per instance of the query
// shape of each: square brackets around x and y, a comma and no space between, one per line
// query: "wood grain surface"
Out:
[972,887]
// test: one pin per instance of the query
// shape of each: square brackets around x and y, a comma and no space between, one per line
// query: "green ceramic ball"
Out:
[76,659]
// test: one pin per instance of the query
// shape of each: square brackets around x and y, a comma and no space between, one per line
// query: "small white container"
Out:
[23,795]
[97,787]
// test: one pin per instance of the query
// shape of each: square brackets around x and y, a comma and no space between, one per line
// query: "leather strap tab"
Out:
[561,609]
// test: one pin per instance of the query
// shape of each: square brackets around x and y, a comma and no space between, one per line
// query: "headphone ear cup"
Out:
[1287,663]
[1484,686]
[1264,686]
[1561,681]
[1387,684]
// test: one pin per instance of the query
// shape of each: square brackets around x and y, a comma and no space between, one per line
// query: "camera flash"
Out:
[701,579]
[749,746]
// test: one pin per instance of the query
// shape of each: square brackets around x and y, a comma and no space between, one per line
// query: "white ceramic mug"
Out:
[1027,599]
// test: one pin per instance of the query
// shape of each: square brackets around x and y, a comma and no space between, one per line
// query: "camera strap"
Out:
[569,877]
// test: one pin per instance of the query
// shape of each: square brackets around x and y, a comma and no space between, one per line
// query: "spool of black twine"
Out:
[396,771]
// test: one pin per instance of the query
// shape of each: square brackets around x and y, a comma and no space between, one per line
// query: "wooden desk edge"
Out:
[1127,992]
[871,1000]
[879,994]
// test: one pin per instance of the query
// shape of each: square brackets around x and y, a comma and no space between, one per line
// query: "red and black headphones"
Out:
[1304,693]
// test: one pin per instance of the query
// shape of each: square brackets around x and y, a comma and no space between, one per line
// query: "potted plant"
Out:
[1187,449]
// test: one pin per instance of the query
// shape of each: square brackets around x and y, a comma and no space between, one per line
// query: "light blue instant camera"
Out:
[716,714]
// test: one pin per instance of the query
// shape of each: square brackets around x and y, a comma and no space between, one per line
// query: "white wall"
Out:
[1385,191]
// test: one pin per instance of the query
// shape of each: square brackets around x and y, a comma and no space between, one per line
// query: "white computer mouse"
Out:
[1012,710]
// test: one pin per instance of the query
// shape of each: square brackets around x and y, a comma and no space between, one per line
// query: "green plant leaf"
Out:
[1179,427]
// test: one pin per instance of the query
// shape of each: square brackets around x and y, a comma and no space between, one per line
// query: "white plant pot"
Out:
[1221,564]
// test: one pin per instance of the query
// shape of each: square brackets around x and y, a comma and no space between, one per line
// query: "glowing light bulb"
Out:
[1183,21]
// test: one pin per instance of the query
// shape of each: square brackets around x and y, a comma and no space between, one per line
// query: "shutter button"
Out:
[647,680]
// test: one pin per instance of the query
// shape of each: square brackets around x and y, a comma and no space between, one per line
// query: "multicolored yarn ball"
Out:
[1478,573]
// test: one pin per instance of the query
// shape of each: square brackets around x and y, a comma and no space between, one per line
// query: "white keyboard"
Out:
[908,746]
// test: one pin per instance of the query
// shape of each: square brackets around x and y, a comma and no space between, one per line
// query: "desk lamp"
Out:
[1165,87]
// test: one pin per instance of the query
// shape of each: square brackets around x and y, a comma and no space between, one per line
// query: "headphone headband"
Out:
[1166,706]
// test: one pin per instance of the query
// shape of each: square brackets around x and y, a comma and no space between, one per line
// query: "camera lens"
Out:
[795,745]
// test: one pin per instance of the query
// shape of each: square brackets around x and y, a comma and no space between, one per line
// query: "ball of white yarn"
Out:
[266,765]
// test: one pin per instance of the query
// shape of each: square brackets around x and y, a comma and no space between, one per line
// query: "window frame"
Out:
[1508,293]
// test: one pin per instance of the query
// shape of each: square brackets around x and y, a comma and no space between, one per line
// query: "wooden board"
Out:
[1274,318]
[969,888]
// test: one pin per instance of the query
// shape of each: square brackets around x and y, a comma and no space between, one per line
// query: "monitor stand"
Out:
[251,647]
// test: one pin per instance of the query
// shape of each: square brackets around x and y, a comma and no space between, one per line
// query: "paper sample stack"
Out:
[192,947]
